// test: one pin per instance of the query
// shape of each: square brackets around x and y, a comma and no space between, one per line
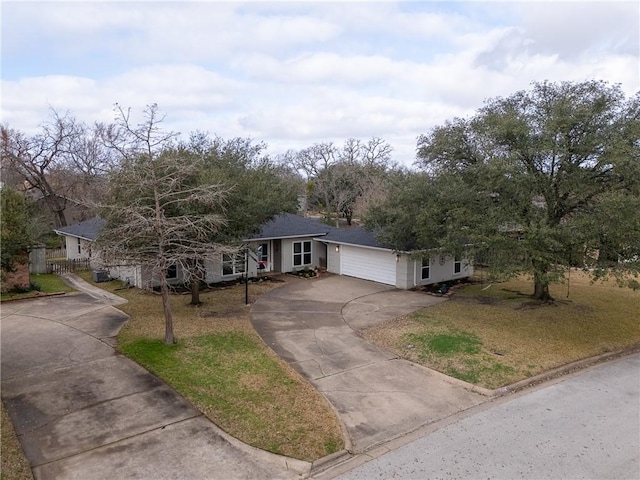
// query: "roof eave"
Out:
[339,242]
[256,239]
[67,234]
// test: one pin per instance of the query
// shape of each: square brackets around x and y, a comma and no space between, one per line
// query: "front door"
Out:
[264,258]
[276,257]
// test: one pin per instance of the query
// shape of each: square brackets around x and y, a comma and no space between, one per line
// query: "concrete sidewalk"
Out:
[313,324]
[82,411]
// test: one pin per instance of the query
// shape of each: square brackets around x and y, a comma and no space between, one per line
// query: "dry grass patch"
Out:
[517,338]
[15,465]
[224,368]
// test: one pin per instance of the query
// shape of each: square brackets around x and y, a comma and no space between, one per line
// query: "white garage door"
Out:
[369,264]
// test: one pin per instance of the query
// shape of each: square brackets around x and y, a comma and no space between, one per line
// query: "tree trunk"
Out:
[541,282]
[348,213]
[607,255]
[169,339]
[541,292]
[197,275]
[61,220]
[195,291]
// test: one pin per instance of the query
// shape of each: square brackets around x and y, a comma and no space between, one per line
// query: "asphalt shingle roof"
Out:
[353,236]
[286,225]
[88,229]
[290,225]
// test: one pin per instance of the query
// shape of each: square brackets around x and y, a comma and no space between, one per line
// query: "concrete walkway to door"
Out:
[313,324]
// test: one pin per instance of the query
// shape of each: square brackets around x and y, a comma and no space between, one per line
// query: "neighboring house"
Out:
[290,243]
[79,238]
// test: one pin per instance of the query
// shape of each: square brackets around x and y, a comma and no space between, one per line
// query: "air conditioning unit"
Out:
[100,276]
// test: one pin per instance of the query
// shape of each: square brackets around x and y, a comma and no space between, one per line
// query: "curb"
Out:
[35,297]
[563,370]
[323,465]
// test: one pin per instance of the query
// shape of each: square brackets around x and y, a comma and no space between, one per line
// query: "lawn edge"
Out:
[34,297]
[536,379]
[344,461]
[564,370]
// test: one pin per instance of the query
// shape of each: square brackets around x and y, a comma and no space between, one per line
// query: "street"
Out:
[585,426]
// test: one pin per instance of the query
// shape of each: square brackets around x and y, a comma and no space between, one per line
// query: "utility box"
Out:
[100,276]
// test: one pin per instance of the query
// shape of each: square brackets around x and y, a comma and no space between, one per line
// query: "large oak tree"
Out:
[535,182]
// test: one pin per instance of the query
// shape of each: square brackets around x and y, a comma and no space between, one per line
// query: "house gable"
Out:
[87,230]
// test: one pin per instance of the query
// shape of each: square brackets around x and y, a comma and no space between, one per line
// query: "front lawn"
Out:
[496,336]
[42,283]
[223,367]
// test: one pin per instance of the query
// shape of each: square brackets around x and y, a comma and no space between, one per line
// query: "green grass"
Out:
[458,354]
[43,283]
[496,335]
[448,344]
[230,378]
[223,367]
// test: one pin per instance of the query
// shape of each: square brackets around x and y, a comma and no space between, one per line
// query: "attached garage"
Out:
[368,263]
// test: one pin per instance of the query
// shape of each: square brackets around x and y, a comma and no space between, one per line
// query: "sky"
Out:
[292,74]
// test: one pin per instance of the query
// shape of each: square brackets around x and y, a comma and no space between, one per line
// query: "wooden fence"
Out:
[56,252]
[64,266]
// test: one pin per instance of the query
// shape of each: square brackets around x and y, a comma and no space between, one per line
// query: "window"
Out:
[302,253]
[172,272]
[79,246]
[425,268]
[232,264]
[457,265]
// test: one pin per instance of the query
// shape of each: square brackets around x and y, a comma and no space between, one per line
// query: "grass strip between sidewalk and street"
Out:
[222,366]
[496,335]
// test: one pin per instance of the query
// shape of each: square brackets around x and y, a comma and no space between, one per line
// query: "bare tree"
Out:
[340,178]
[64,161]
[159,215]
[36,159]
[313,162]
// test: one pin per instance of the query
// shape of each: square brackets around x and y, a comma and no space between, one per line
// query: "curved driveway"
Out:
[313,324]
[82,411]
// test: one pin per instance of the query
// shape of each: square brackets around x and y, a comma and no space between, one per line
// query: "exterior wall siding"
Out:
[384,266]
[404,272]
[127,273]
[72,248]
[333,259]
[441,270]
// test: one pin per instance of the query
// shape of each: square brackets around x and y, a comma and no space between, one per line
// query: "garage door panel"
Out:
[369,264]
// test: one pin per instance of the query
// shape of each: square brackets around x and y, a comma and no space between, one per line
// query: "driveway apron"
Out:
[81,411]
[313,324]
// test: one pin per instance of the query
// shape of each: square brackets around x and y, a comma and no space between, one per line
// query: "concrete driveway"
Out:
[82,411]
[313,324]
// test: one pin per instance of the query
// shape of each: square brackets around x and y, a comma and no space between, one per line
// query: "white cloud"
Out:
[292,74]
